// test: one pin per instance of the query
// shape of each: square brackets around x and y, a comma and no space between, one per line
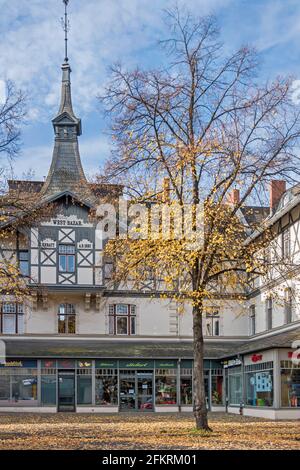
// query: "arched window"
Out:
[66,319]
[122,319]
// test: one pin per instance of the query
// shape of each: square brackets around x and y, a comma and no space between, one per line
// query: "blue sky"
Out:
[107,31]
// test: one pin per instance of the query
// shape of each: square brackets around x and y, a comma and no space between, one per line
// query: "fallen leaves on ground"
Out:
[143,431]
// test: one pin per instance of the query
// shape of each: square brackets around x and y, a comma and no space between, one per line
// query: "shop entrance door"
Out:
[66,390]
[136,390]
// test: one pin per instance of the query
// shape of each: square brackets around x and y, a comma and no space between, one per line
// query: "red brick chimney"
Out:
[277,188]
[234,196]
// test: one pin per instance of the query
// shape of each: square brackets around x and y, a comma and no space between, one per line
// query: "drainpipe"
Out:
[178,385]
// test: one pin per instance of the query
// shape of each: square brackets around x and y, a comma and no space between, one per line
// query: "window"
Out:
[24,262]
[66,258]
[212,324]
[48,386]
[286,244]
[18,386]
[122,319]
[269,311]
[288,305]
[235,385]
[186,386]
[108,270]
[106,382]
[252,320]
[166,386]
[11,318]
[217,386]
[259,384]
[290,384]
[66,319]
[84,386]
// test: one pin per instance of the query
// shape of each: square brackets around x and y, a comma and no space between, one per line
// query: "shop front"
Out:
[264,384]
[106,385]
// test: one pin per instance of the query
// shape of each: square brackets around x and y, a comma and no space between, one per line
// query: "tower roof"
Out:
[66,172]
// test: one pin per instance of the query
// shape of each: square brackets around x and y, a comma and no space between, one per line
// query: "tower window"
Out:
[24,262]
[67,258]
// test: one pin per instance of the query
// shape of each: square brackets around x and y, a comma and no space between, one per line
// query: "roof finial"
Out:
[66,27]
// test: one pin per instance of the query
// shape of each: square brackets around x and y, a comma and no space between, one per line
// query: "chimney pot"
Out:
[277,188]
[234,196]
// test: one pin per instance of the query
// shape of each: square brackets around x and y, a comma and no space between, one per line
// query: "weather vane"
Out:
[66,27]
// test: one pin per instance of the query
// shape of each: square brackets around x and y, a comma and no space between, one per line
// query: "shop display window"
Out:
[235,385]
[18,386]
[166,386]
[290,384]
[186,387]
[216,386]
[259,384]
[106,383]
[84,386]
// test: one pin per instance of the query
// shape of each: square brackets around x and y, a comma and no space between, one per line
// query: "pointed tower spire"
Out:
[66,172]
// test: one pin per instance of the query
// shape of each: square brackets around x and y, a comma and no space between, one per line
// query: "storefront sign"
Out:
[256,357]
[294,354]
[106,364]
[186,364]
[165,364]
[84,364]
[49,364]
[232,362]
[19,363]
[66,364]
[136,364]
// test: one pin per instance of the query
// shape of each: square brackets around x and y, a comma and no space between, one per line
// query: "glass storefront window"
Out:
[290,384]
[4,385]
[235,385]
[166,386]
[216,387]
[106,382]
[18,386]
[186,390]
[48,386]
[84,386]
[259,384]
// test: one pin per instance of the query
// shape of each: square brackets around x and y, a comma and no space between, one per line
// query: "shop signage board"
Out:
[49,364]
[136,364]
[66,364]
[232,362]
[106,364]
[166,364]
[30,364]
[84,364]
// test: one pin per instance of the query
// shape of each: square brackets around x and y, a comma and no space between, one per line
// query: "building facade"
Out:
[82,344]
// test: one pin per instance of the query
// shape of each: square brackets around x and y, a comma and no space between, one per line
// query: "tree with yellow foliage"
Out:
[208,126]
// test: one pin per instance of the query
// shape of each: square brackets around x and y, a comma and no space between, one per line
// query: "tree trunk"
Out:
[200,410]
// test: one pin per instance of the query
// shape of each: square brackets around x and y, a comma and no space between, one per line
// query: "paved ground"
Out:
[143,431]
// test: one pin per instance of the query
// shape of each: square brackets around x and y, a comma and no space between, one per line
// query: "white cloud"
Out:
[102,32]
